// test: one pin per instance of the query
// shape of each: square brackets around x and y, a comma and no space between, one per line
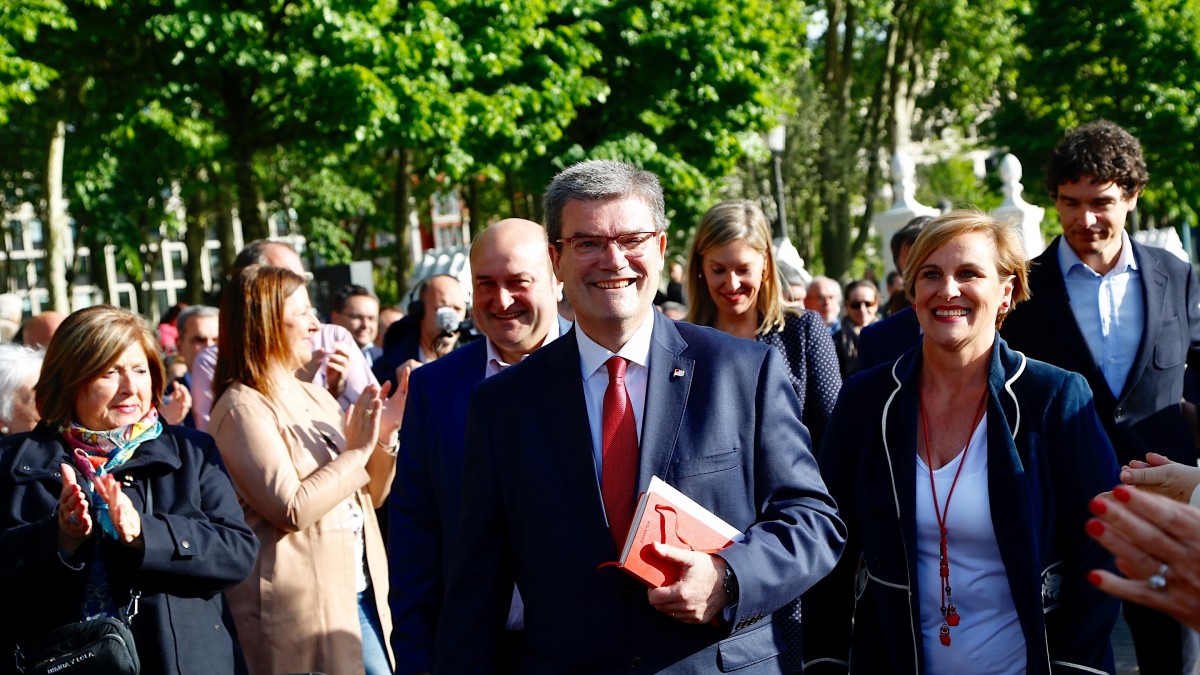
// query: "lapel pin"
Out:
[678,373]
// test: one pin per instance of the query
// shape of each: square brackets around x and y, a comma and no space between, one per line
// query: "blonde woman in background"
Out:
[734,287]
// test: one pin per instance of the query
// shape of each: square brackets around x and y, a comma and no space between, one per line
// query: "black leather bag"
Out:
[94,647]
[101,646]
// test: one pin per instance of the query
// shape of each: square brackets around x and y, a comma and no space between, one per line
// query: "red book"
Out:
[666,515]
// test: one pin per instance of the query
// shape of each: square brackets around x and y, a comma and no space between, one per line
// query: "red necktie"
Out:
[619,445]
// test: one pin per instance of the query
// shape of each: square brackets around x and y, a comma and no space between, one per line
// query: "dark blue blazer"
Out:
[721,423]
[1047,456]
[1146,416]
[197,544]
[426,499]
[401,342]
[884,341]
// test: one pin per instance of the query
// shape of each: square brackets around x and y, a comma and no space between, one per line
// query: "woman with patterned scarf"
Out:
[102,502]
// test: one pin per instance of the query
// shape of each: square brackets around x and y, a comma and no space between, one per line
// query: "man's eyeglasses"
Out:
[631,244]
[860,304]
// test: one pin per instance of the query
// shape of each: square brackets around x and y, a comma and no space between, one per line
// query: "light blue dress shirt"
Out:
[1109,308]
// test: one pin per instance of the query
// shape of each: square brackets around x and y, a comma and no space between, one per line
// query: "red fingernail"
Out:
[1094,578]
[1097,506]
[1095,528]
[1121,493]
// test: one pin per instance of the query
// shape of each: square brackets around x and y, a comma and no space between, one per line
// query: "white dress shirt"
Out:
[495,364]
[1109,309]
[592,359]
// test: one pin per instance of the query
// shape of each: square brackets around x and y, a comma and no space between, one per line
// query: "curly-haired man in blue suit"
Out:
[1123,315]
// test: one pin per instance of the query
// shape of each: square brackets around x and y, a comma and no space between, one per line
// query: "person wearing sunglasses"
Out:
[862,305]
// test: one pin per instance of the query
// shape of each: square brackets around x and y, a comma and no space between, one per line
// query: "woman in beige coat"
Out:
[309,479]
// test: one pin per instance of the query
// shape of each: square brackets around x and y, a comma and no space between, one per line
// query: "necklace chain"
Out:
[950,615]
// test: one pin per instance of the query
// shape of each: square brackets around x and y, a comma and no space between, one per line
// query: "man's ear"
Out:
[555,260]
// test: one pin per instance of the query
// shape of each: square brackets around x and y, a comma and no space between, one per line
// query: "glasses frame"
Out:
[636,252]
[856,304]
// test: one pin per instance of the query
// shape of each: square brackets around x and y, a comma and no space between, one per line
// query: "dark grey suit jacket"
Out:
[1146,416]
[721,424]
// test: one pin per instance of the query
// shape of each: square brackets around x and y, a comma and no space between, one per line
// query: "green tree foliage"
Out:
[884,73]
[268,74]
[1134,63]
[20,22]
[333,118]
[686,80]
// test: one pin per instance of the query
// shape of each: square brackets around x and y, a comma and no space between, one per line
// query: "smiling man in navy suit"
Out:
[515,300]
[559,448]
[1126,317]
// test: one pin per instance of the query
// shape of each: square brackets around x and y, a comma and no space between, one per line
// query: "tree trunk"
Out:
[146,263]
[837,155]
[402,214]
[194,238]
[224,218]
[253,226]
[57,232]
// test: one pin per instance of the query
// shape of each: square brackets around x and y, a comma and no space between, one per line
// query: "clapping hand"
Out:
[1160,475]
[126,519]
[393,406]
[74,521]
[1156,542]
[362,421]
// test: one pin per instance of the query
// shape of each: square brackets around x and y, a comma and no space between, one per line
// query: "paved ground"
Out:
[1123,649]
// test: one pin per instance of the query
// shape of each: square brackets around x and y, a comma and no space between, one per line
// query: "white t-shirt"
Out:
[988,640]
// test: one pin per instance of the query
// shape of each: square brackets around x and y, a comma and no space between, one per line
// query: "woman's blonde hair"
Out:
[725,223]
[1010,255]
[250,336]
[83,348]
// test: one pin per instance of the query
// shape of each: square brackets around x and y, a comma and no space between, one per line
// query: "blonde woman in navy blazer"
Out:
[1040,454]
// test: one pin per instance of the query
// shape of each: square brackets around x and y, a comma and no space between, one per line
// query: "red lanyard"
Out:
[949,611]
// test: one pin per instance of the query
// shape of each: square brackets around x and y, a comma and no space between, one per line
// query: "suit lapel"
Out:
[564,415]
[900,419]
[1073,352]
[1154,292]
[667,387]
[472,368]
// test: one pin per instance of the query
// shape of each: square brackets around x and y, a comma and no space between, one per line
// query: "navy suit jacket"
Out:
[1047,456]
[1146,416]
[426,498]
[721,423]
[401,342]
[884,341]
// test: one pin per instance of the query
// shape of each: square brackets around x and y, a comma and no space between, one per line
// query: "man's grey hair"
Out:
[826,280]
[255,253]
[17,364]
[598,179]
[194,311]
